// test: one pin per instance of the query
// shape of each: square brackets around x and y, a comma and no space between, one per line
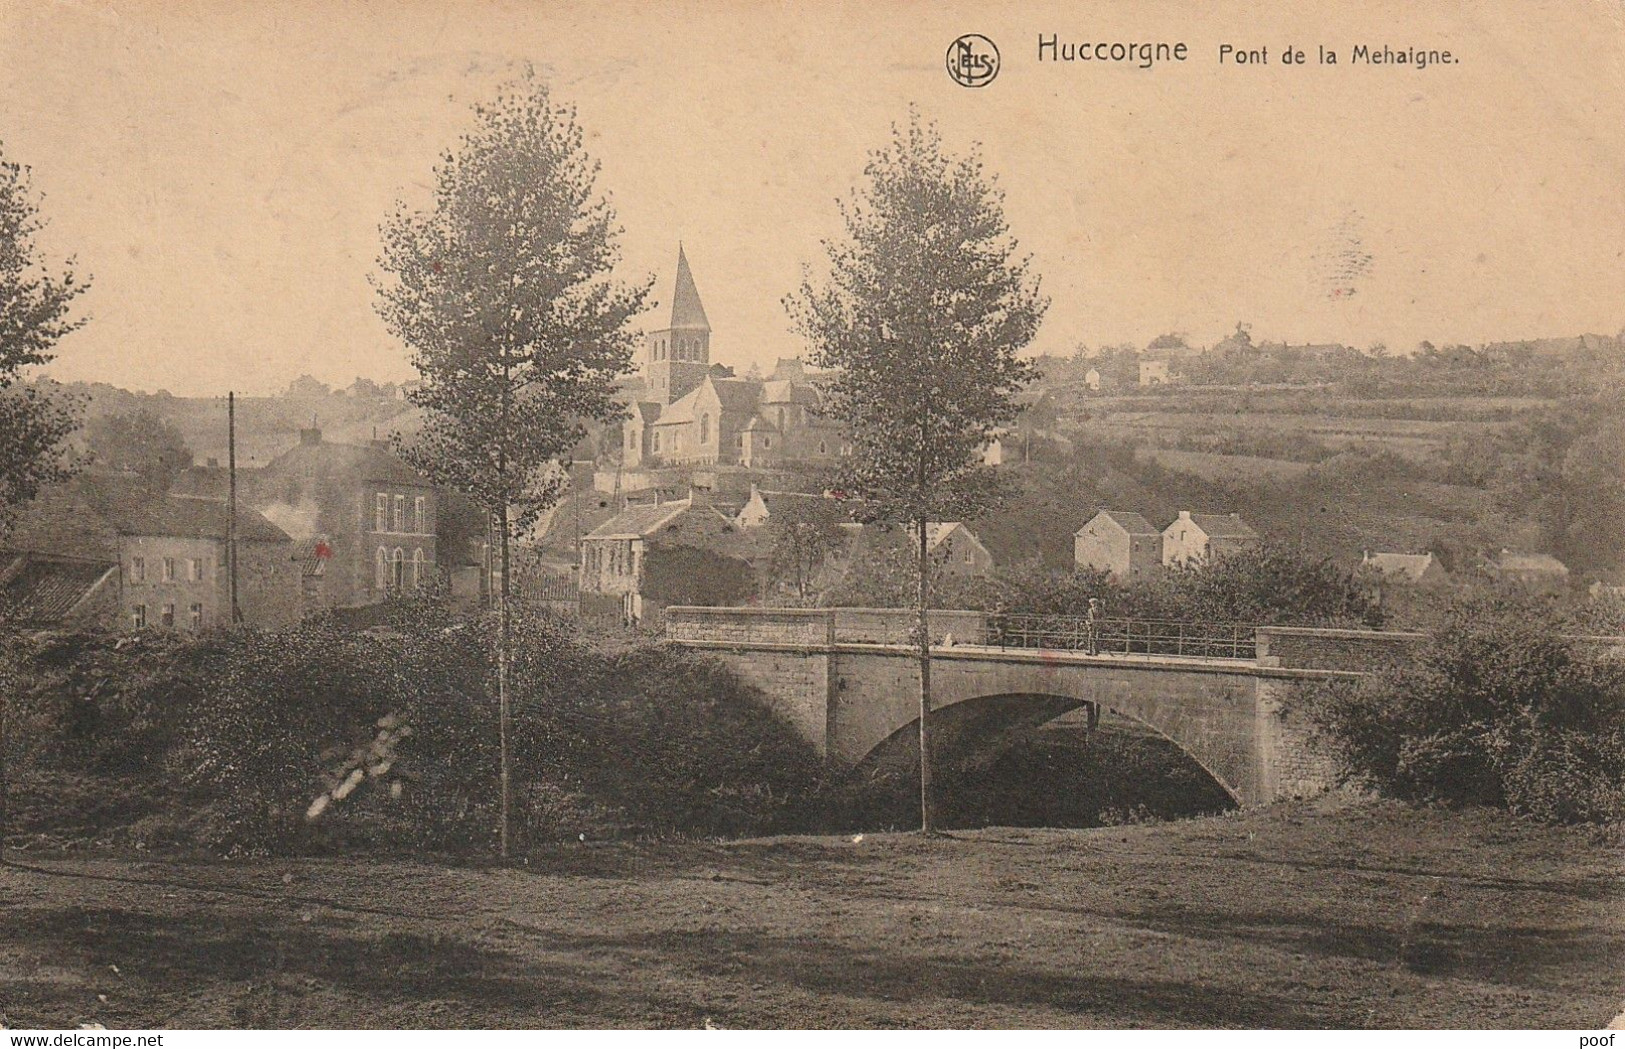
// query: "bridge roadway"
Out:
[848,680]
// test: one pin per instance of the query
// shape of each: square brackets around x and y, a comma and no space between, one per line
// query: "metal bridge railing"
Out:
[1122,636]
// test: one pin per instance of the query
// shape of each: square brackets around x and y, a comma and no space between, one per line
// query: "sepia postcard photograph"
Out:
[811,514]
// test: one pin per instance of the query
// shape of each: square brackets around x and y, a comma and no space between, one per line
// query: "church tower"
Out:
[676,358]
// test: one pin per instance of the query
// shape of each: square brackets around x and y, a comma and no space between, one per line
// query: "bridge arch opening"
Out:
[1032,759]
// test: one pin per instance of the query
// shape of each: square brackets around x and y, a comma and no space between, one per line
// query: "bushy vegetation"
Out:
[321,737]
[1498,709]
[1274,584]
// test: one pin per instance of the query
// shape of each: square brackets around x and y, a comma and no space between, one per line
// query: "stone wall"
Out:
[893,626]
[1360,651]
[758,626]
[1293,764]
[796,686]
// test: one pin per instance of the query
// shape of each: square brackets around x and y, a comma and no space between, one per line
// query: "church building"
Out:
[686,411]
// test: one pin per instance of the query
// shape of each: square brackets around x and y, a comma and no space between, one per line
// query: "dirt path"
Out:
[1301,916]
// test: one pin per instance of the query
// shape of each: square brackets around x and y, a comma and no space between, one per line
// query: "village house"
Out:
[176,570]
[761,506]
[366,522]
[1541,572]
[103,550]
[1414,569]
[1196,538]
[1154,373]
[1120,543]
[668,552]
[956,549]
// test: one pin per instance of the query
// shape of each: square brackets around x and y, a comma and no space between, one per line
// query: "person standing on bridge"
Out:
[1091,626]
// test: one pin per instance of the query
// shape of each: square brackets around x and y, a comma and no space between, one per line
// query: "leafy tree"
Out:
[1272,584]
[1496,709]
[802,535]
[922,313]
[503,291]
[141,442]
[35,313]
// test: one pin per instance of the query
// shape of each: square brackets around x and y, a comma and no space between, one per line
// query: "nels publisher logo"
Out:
[973,60]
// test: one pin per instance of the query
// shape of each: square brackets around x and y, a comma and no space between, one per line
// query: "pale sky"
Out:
[220,169]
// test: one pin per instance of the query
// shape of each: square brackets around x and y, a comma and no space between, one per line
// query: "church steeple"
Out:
[686,310]
[677,357]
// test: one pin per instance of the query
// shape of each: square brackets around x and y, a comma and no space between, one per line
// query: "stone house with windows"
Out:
[1193,538]
[683,551]
[176,571]
[365,522]
[955,548]
[1120,543]
[105,550]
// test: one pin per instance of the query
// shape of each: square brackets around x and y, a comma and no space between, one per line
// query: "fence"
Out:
[1123,636]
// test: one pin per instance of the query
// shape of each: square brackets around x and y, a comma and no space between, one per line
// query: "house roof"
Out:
[738,395]
[1228,526]
[312,554]
[937,531]
[1409,566]
[362,462]
[192,517]
[799,505]
[1509,561]
[636,522]
[682,409]
[686,310]
[1127,520]
[43,589]
[790,391]
[648,411]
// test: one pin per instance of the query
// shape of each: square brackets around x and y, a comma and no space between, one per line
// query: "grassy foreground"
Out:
[1326,914]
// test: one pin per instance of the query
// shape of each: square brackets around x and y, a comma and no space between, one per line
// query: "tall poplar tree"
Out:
[36,311]
[922,312]
[503,290]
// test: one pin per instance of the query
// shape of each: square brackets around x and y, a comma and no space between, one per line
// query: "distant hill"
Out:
[266,426]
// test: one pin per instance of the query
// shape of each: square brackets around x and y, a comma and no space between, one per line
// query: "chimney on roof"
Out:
[1184,515]
[310,435]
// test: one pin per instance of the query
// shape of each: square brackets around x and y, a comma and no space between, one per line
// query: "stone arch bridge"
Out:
[848,680]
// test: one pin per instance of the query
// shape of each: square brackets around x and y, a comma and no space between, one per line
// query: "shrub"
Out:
[1499,710]
[387,737]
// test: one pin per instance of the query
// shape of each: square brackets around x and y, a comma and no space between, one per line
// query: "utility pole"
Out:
[231,503]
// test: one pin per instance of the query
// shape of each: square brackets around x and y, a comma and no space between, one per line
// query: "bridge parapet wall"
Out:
[804,627]
[892,626]
[1314,648]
